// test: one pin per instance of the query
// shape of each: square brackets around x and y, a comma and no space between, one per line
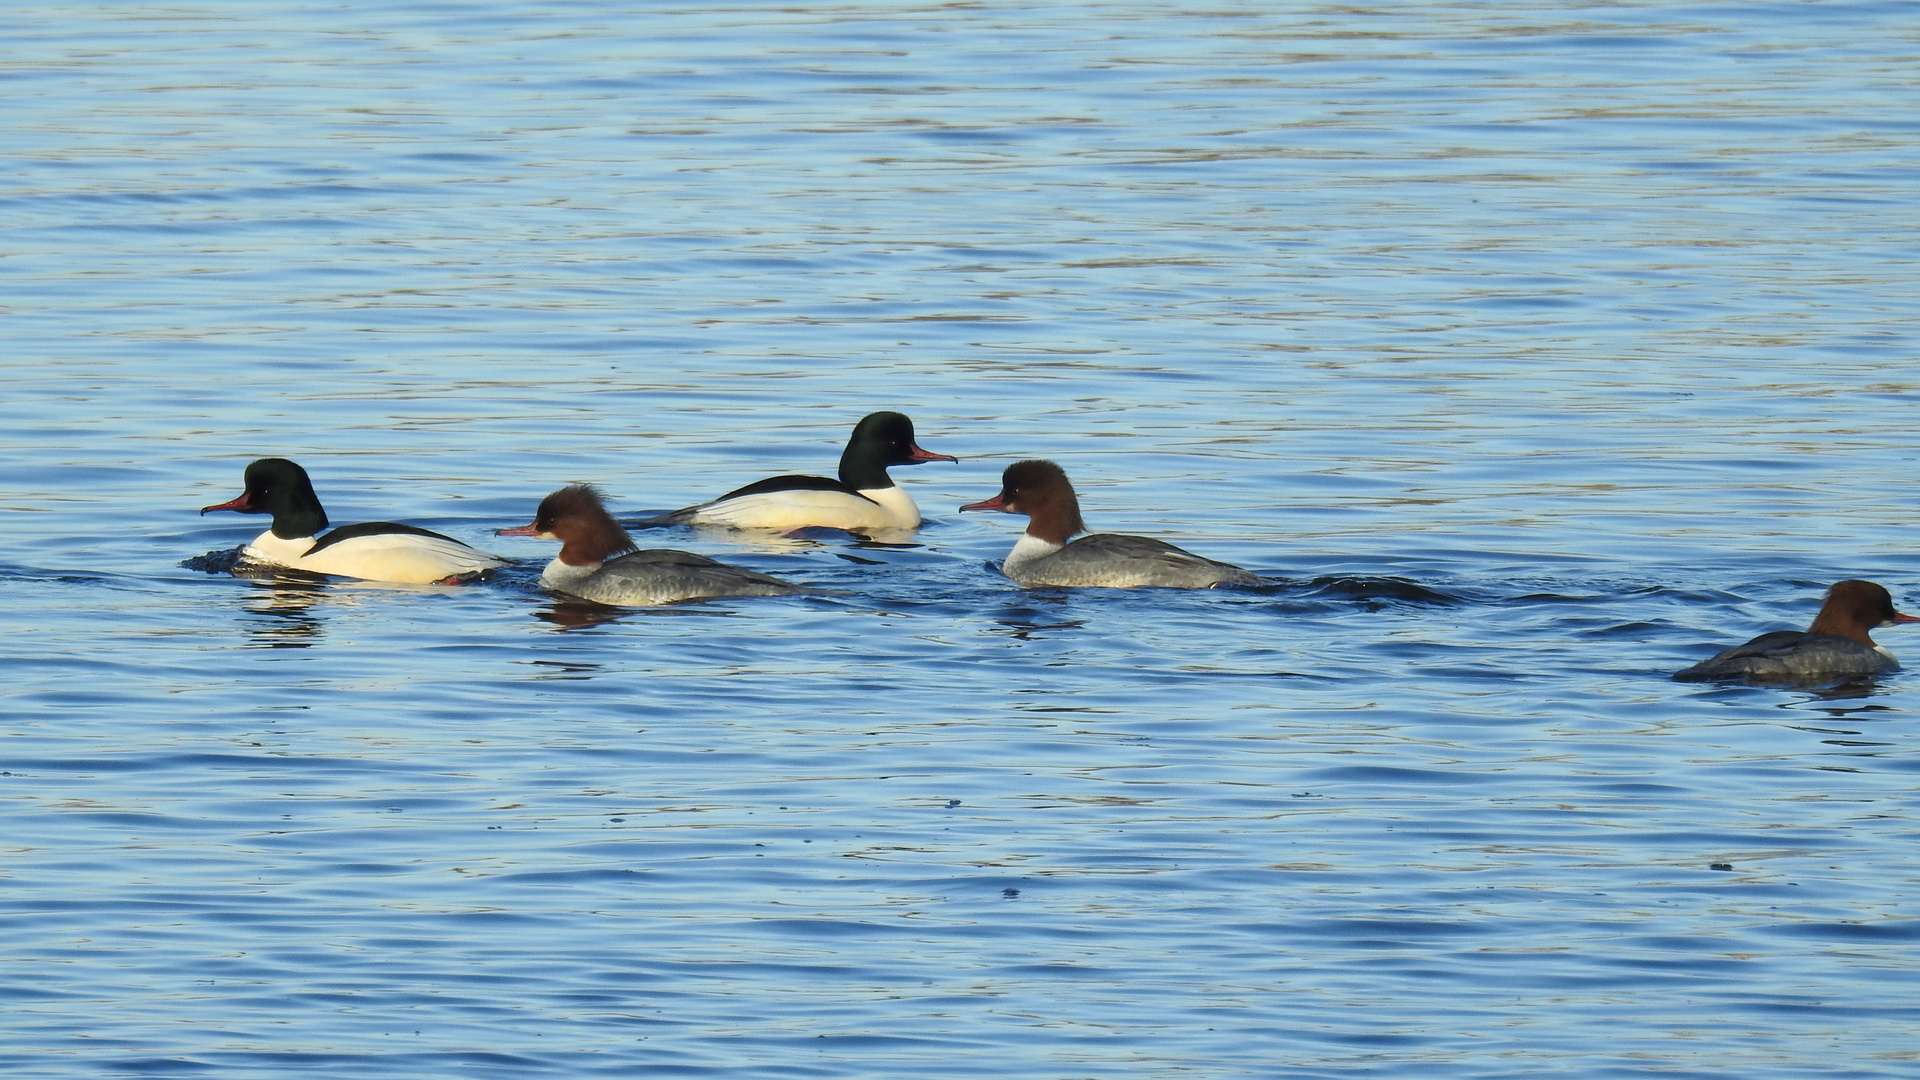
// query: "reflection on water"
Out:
[284,615]
[1863,686]
[565,669]
[1027,630]
[1858,686]
[580,614]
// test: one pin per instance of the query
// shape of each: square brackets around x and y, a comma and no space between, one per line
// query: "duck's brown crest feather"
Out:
[1853,608]
[1040,490]
[587,532]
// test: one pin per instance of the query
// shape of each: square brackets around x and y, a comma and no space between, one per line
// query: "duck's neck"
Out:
[271,547]
[1842,625]
[561,573]
[1052,516]
[295,521]
[587,550]
[1029,548]
[864,470]
[897,503]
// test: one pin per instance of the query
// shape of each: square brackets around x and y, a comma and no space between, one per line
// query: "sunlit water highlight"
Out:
[1534,350]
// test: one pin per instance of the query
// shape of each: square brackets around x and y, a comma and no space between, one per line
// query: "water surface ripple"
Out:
[1535,350]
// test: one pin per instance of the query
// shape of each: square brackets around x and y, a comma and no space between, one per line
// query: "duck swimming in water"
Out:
[598,560]
[371,551]
[863,497]
[1836,646]
[1040,490]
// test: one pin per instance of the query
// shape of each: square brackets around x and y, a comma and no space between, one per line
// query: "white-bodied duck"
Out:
[371,551]
[862,498]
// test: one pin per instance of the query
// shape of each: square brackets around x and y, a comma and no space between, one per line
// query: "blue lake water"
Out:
[1596,323]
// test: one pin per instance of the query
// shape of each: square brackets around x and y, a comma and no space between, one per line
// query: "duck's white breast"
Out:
[274,551]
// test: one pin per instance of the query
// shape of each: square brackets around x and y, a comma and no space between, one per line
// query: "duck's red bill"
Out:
[918,455]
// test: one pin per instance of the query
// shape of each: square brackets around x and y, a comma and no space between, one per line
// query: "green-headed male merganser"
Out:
[863,497]
[371,551]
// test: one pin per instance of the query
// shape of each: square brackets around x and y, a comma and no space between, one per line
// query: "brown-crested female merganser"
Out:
[863,497]
[1040,490]
[598,561]
[1836,646]
[371,551]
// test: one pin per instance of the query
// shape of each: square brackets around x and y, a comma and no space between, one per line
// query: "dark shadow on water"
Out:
[15,573]
[1377,591]
[1633,631]
[1853,713]
[1029,629]
[565,669]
